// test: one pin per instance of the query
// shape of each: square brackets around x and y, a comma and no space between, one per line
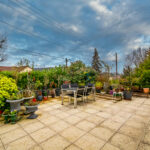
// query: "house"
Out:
[20,69]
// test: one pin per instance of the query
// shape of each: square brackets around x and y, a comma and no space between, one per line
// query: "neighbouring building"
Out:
[20,69]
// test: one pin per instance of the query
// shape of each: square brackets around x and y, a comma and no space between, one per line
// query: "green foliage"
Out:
[143,73]
[98,84]
[8,88]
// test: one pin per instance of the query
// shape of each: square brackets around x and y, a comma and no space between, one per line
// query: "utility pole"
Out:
[66,62]
[116,65]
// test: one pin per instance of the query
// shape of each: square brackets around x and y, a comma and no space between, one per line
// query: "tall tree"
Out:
[25,62]
[96,64]
[3,43]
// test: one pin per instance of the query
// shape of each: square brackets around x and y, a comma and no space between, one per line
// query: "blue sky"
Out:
[47,32]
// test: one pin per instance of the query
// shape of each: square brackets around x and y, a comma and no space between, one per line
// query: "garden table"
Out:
[69,90]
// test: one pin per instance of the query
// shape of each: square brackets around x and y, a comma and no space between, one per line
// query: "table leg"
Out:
[75,100]
[62,98]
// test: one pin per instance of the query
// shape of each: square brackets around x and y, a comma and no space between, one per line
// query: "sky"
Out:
[48,31]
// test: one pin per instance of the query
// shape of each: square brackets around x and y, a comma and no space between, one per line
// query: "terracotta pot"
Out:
[146,90]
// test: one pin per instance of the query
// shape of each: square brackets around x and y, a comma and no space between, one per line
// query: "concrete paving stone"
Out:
[132,132]
[62,115]
[143,114]
[140,119]
[104,114]
[147,138]
[135,124]
[85,125]
[12,135]
[59,126]
[47,109]
[125,114]
[8,127]
[42,134]
[124,142]
[72,147]
[25,121]
[89,142]
[21,144]
[82,114]
[1,148]
[144,147]
[33,127]
[102,133]
[95,119]
[1,143]
[113,125]
[91,111]
[119,119]
[35,148]
[72,119]
[55,143]
[54,112]
[49,120]
[108,146]
[72,133]
[73,111]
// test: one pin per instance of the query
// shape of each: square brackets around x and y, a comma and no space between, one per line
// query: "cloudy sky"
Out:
[47,32]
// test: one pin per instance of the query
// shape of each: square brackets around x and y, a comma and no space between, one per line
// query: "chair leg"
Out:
[69,100]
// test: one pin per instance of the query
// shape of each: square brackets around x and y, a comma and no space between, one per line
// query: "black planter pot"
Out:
[127,95]
[57,91]
[98,91]
[39,97]
[31,110]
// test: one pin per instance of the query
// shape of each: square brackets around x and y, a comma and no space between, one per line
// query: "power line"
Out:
[41,18]
[37,53]
[28,33]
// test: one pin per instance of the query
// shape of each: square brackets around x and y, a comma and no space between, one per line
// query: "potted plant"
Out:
[98,86]
[38,87]
[13,116]
[6,116]
[146,90]
[27,95]
[127,94]
[15,100]
[52,89]
[31,108]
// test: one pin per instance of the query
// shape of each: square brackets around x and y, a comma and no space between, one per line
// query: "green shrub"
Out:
[8,88]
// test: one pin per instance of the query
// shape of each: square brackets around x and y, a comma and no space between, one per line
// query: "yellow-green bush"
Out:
[8,88]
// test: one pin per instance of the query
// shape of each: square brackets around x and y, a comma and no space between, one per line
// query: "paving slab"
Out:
[89,142]
[42,134]
[102,133]
[72,133]
[55,143]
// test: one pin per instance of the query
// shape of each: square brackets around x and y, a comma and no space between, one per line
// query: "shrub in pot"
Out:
[127,94]
[98,86]
[13,117]
[6,116]
[7,88]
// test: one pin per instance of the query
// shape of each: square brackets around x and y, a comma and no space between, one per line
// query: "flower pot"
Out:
[40,97]
[146,90]
[6,118]
[31,110]
[127,95]
[13,118]
[15,104]
[98,90]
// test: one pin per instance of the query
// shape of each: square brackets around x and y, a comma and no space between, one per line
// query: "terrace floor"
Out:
[99,125]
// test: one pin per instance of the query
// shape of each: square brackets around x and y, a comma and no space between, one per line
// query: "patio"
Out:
[96,125]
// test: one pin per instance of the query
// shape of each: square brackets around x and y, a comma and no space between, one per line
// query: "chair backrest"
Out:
[74,85]
[65,86]
[80,91]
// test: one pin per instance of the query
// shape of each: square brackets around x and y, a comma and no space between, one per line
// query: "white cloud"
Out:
[99,8]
